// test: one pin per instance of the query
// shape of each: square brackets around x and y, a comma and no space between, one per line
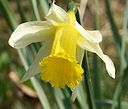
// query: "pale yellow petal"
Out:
[95,48]
[34,67]
[30,32]
[57,15]
[93,36]
[79,54]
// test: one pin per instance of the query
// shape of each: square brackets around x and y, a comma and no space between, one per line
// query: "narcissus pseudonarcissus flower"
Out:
[64,41]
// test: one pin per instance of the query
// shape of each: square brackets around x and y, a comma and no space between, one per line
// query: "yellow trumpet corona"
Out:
[61,68]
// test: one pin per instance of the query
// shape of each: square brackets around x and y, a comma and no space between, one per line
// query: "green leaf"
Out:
[44,6]
[35,8]
[9,15]
[21,11]
[116,35]
[41,94]
[124,66]
[88,83]
[59,96]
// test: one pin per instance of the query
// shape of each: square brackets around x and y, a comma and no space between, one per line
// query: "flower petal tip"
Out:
[113,75]
[11,43]
[53,2]
[109,66]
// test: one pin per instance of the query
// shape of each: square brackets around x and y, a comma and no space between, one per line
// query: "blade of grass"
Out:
[119,87]
[83,5]
[67,101]
[5,9]
[123,47]
[40,92]
[35,9]
[96,17]
[44,6]
[108,103]
[96,79]
[96,76]
[59,96]
[116,35]
[21,11]
[81,96]
[88,83]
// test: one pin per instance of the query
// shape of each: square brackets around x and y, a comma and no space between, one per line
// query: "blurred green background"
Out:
[108,16]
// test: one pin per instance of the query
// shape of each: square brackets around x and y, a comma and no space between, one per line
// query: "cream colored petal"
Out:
[95,48]
[30,32]
[35,67]
[93,36]
[79,54]
[57,15]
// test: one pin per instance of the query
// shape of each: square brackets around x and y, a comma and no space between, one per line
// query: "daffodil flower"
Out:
[64,41]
